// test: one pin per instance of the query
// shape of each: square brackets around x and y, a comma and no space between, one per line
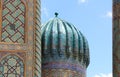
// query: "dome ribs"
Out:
[62,41]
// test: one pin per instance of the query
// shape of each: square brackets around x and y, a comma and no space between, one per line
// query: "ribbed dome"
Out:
[61,41]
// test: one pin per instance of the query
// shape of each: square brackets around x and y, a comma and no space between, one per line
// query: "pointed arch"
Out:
[13,13]
[11,66]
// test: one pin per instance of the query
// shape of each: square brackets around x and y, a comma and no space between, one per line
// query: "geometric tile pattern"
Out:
[64,65]
[13,21]
[28,48]
[61,73]
[11,66]
[62,69]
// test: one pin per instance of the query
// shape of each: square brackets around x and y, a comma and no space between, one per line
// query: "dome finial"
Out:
[56,14]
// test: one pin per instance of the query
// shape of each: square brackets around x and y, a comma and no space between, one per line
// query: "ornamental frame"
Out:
[23,60]
[25,24]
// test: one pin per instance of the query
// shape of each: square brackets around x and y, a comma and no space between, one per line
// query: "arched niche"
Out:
[13,16]
[11,66]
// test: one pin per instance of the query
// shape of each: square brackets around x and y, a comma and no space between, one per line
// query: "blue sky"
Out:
[94,19]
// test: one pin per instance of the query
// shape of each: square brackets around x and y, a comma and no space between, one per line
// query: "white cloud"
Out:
[109,14]
[44,11]
[82,1]
[103,75]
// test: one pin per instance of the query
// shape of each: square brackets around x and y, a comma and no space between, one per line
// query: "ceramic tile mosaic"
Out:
[13,21]
[11,66]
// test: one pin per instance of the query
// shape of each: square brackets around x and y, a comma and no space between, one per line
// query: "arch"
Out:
[13,21]
[11,66]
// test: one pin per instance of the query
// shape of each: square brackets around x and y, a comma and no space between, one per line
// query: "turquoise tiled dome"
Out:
[62,41]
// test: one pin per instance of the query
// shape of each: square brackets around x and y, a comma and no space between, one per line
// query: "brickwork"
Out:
[116,38]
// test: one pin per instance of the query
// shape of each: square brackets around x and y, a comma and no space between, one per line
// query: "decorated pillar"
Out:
[116,38]
[37,30]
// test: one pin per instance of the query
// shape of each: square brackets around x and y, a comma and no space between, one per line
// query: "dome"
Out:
[63,42]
